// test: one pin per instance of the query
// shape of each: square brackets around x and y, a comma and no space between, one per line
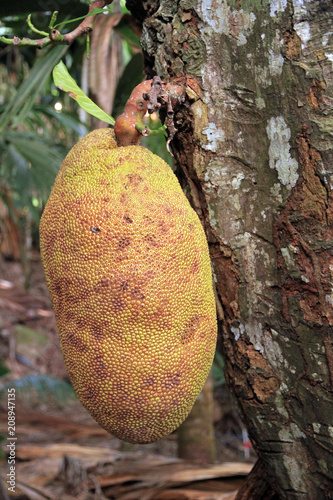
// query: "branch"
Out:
[55,37]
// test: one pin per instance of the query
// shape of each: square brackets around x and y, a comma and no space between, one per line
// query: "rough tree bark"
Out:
[254,149]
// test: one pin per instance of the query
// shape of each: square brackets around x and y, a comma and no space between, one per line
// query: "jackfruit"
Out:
[127,267]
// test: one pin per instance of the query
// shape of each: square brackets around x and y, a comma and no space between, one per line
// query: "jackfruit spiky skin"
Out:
[128,271]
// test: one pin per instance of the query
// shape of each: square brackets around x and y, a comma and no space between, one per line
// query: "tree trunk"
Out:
[196,440]
[258,485]
[253,147]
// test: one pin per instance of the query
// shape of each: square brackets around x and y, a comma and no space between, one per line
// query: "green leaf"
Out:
[127,33]
[65,82]
[92,13]
[22,102]
[30,164]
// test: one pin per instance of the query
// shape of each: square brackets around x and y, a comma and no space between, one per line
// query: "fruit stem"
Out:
[149,96]
[135,109]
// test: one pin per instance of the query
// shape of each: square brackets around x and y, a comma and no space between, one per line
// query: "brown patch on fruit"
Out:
[69,315]
[148,219]
[150,239]
[163,227]
[102,285]
[76,341]
[194,267]
[100,367]
[150,382]
[80,324]
[123,243]
[104,183]
[137,293]
[90,394]
[50,240]
[66,288]
[111,286]
[134,179]
[97,332]
[190,330]
[123,198]
[118,304]
[172,380]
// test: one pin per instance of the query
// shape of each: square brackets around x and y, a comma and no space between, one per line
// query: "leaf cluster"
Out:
[33,137]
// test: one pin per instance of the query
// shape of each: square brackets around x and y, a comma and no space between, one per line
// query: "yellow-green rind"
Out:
[128,270]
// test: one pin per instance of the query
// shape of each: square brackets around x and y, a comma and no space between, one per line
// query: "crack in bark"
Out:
[240,160]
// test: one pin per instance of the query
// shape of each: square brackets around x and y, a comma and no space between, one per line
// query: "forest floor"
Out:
[60,452]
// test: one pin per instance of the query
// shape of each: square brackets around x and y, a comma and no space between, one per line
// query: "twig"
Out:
[86,25]
[53,19]
[55,37]
[34,29]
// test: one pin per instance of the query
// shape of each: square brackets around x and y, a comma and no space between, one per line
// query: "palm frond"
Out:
[23,100]
[64,119]
[30,164]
